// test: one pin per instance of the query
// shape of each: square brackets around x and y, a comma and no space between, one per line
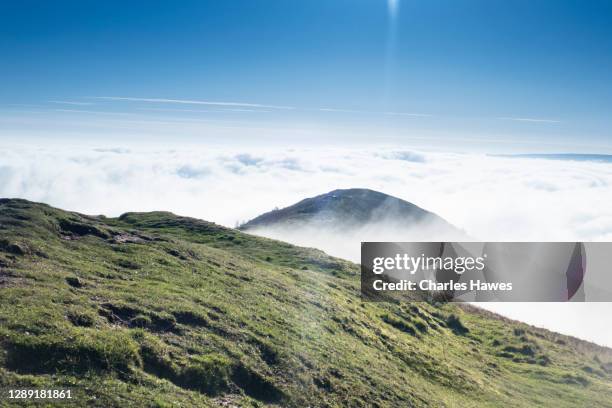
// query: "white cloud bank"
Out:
[491,198]
[191,102]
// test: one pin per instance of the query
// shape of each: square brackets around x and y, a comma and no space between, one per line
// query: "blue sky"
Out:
[491,75]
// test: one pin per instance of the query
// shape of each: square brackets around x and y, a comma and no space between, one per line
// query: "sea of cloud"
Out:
[491,198]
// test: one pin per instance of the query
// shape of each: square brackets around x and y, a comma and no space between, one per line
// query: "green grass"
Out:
[159,310]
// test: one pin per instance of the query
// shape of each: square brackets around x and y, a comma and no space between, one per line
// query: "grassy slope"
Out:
[159,310]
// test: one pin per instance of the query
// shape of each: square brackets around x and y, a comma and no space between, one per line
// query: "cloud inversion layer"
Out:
[492,198]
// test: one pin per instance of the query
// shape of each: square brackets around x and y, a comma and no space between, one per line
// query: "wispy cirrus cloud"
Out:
[90,112]
[417,115]
[341,110]
[205,111]
[75,103]
[391,113]
[533,120]
[246,110]
[193,102]
[246,107]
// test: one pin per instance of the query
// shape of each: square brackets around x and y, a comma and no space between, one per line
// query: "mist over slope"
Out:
[154,309]
[337,221]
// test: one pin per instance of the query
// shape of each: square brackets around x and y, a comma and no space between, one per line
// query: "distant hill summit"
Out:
[338,221]
[348,207]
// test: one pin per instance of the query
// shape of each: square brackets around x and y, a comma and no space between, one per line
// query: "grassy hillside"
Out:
[159,310]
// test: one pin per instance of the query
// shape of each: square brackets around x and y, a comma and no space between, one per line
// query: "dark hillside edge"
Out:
[153,309]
